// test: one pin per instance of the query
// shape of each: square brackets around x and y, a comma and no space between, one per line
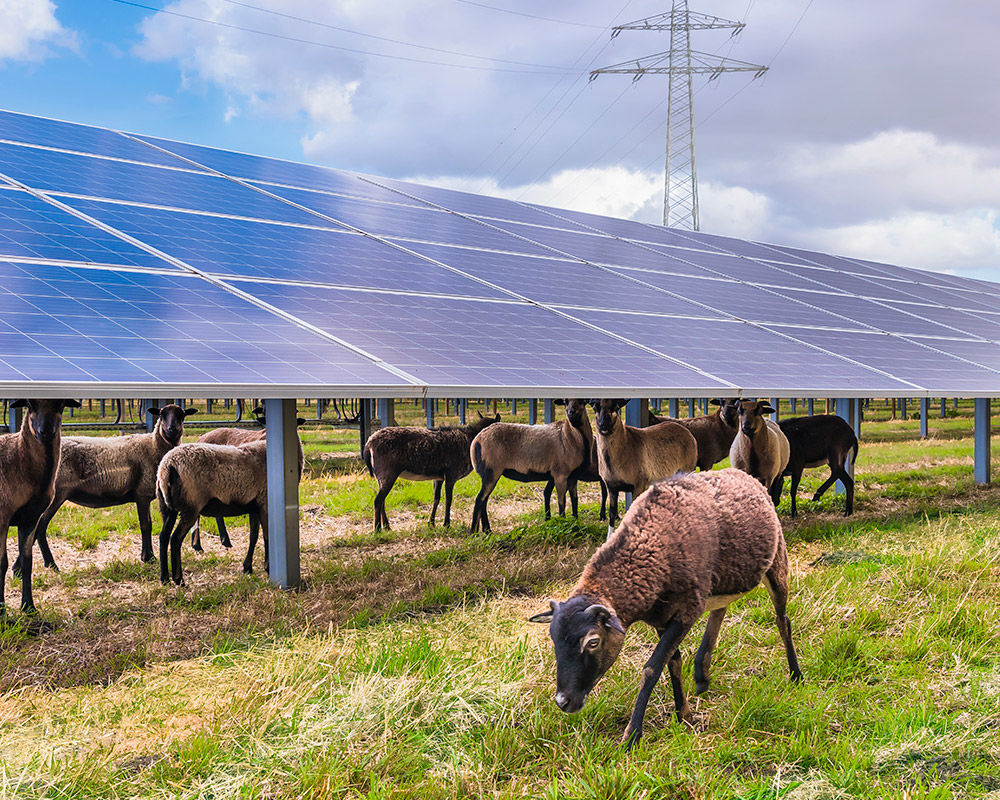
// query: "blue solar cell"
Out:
[738,247]
[560,282]
[62,323]
[68,173]
[622,228]
[976,324]
[252,249]
[902,319]
[746,354]
[82,138]
[934,294]
[905,359]
[714,265]
[407,222]
[275,170]
[32,228]
[454,342]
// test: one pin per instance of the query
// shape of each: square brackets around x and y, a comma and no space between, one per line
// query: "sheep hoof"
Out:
[15,568]
[197,547]
[226,542]
[701,686]
[631,737]
[147,558]
[52,565]
[247,570]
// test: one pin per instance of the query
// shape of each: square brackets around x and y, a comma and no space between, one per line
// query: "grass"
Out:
[404,666]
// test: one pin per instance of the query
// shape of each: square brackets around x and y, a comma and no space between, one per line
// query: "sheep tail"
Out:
[367,456]
[165,491]
[477,457]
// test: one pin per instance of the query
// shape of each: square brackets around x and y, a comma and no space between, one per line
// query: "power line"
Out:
[530,16]
[791,33]
[543,69]
[376,36]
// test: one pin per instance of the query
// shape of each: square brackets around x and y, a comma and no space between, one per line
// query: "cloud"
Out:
[28,28]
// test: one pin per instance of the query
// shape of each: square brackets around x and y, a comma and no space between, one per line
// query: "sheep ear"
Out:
[72,404]
[558,402]
[545,616]
[257,411]
[154,410]
[480,413]
[189,411]
[300,421]
[19,404]
[605,616]
[497,417]
[764,407]
[715,401]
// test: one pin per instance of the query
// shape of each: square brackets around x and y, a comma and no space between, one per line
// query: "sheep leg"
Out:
[186,522]
[561,495]
[41,534]
[169,516]
[480,518]
[547,495]
[145,532]
[680,700]
[437,499]
[604,501]
[449,486]
[384,487]
[3,572]
[25,544]
[703,658]
[262,516]
[777,587]
[841,472]
[220,525]
[775,489]
[196,538]
[796,477]
[573,498]
[254,534]
[670,638]
[825,485]
[613,511]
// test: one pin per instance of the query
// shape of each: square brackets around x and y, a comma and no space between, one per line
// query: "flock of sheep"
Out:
[690,543]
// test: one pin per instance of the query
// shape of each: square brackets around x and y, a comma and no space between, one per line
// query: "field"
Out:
[404,667]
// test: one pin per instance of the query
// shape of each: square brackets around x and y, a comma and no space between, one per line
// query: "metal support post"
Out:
[461,404]
[364,421]
[150,419]
[513,407]
[857,414]
[793,402]
[690,407]
[100,406]
[431,408]
[673,406]
[943,410]
[655,403]
[954,403]
[14,418]
[811,404]
[283,491]
[981,438]
[548,411]
[902,408]
[386,412]
[532,411]
[843,409]
[925,412]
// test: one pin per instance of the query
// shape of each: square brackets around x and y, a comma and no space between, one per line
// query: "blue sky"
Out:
[874,133]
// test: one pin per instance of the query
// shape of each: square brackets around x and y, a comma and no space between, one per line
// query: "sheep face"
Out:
[606,415]
[751,416]
[730,410]
[171,421]
[45,417]
[576,410]
[588,638]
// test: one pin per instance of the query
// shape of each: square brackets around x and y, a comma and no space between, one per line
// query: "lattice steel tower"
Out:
[681,63]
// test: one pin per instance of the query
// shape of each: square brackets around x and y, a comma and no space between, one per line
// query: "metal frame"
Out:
[283,492]
[981,438]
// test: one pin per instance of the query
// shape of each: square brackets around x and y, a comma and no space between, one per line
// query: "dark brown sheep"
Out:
[760,448]
[813,442]
[588,475]
[421,454]
[29,464]
[690,544]
[559,451]
[714,433]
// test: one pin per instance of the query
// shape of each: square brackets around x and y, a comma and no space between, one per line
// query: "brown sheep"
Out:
[421,454]
[760,448]
[29,464]
[630,459]
[690,544]
[714,432]
[558,450]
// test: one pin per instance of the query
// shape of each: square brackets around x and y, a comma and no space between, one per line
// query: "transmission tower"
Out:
[681,63]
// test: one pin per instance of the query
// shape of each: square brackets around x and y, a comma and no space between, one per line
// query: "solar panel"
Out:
[68,173]
[80,138]
[34,228]
[975,324]
[82,324]
[622,228]
[462,343]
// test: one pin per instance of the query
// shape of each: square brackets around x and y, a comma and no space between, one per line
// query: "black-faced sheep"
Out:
[99,472]
[714,433]
[813,442]
[630,459]
[29,464]
[421,454]
[760,448]
[690,544]
[559,450]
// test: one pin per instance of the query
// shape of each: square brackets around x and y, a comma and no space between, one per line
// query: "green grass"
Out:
[405,667]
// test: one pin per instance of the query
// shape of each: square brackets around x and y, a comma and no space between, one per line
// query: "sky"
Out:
[875,132]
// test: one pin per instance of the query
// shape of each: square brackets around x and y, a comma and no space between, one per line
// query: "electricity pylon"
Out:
[681,63]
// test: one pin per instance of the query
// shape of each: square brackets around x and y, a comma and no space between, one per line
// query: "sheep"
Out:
[714,432]
[29,464]
[211,480]
[689,544]
[630,459]
[421,454]
[559,451]
[589,475]
[101,472]
[813,442]
[238,436]
[760,447]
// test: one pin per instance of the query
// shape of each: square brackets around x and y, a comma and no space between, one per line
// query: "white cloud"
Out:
[733,210]
[28,27]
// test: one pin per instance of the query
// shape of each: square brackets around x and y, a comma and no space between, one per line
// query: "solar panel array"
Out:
[131,264]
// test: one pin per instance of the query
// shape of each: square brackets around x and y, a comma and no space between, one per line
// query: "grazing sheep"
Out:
[630,459]
[238,436]
[760,447]
[101,472]
[211,480]
[421,454]
[690,544]
[714,432]
[29,464]
[588,475]
[813,442]
[559,451]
